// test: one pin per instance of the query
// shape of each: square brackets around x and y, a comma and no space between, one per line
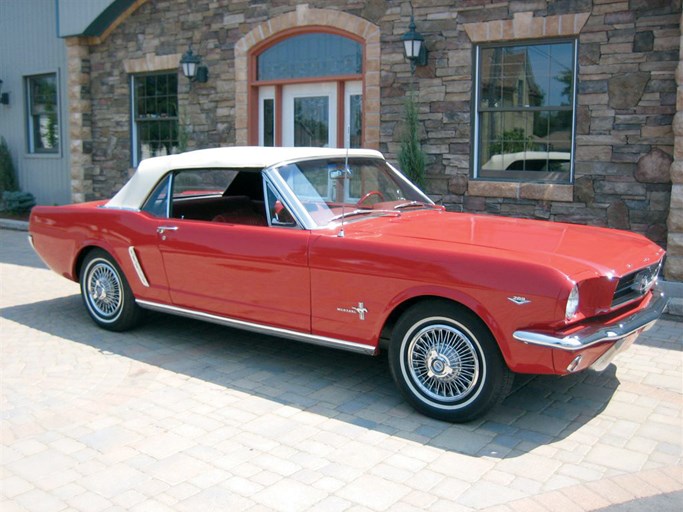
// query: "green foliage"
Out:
[183,131]
[17,202]
[7,176]
[411,158]
[512,141]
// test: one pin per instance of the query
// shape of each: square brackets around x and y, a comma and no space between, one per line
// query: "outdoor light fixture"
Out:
[192,67]
[414,47]
[4,97]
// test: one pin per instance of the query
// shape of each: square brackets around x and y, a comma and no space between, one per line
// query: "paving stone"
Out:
[209,498]
[585,498]
[289,496]
[13,486]
[557,502]
[152,506]
[89,502]
[486,494]
[530,466]
[39,501]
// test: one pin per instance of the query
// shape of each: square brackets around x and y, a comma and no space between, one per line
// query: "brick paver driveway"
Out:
[179,415]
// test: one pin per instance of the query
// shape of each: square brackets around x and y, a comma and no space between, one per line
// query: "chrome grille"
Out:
[635,285]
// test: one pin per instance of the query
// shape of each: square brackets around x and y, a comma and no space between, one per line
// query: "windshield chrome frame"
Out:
[296,208]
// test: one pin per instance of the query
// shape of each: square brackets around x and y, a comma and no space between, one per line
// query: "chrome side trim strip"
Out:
[137,266]
[592,335]
[30,241]
[323,341]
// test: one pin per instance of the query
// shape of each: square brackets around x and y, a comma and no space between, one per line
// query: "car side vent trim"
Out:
[323,341]
[137,266]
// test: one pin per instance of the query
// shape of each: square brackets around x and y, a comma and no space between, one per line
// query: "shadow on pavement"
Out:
[348,387]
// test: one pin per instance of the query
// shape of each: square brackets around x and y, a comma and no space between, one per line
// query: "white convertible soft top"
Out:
[151,170]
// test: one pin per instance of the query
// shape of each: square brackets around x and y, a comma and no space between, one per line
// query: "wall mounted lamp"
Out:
[414,47]
[192,67]
[4,97]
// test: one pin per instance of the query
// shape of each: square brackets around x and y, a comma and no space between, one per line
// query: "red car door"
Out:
[255,273]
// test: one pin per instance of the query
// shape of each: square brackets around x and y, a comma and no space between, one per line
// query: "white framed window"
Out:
[43,113]
[154,113]
[525,96]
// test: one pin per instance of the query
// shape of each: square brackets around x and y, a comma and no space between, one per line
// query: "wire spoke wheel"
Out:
[106,293]
[443,362]
[446,363]
[104,289]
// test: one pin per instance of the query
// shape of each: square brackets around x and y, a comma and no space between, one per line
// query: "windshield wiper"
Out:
[410,204]
[359,211]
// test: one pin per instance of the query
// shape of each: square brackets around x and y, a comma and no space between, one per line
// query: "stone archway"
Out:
[304,16]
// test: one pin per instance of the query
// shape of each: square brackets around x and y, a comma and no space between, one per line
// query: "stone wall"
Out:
[628,53]
[674,261]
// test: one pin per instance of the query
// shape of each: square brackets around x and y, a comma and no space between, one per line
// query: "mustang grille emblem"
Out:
[644,280]
[359,310]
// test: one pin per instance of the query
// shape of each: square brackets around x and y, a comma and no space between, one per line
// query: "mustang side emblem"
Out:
[520,301]
[359,310]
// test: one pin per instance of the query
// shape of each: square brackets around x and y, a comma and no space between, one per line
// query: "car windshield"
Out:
[332,189]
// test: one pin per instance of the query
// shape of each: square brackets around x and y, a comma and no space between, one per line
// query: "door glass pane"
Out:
[356,120]
[311,121]
[269,122]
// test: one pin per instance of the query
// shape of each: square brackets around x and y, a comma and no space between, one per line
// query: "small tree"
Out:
[8,181]
[411,158]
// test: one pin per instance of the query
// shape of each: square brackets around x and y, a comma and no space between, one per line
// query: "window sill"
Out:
[511,190]
[44,156]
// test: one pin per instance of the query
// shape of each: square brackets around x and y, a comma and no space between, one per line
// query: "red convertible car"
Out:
[337,248]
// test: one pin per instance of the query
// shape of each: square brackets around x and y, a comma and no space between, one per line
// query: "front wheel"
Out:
[106,294]
[446,363]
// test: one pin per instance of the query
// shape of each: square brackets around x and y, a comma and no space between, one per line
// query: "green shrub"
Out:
[16,202]
[411,158]
[7,176]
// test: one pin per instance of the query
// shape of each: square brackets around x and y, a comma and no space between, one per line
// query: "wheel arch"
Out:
[464,302]
[83,253]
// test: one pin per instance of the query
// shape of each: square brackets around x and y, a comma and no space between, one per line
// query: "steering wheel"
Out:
[369,195]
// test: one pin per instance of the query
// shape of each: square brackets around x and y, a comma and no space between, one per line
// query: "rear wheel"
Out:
[446,362]
[106,294]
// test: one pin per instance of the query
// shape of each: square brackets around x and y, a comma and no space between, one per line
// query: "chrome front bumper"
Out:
[592,335]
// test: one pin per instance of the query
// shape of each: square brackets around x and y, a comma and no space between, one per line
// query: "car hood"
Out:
[578,251]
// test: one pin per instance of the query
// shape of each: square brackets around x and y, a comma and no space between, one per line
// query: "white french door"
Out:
[311,115]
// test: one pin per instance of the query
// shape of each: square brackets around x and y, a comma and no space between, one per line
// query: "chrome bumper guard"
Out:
[592,335]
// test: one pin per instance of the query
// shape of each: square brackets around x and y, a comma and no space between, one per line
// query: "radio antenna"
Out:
[346,174]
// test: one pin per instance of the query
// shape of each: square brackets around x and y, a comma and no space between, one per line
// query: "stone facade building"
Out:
[564,110]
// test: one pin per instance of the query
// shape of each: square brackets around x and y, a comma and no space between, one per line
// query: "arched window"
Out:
[307,90]
[311,55]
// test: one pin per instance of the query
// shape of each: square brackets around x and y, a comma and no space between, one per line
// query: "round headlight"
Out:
[572,303]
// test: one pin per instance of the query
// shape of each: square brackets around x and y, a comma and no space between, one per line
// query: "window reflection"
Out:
[43,116]
[526,102]
[311,121]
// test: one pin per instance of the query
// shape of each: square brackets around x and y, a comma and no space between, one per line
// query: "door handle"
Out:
[162,230]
